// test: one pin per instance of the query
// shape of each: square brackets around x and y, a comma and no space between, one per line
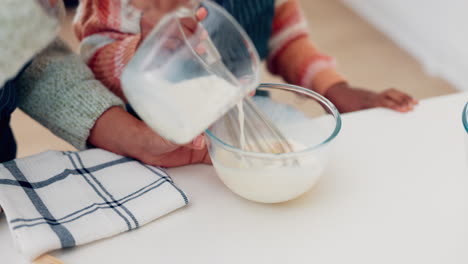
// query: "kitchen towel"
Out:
[59,200]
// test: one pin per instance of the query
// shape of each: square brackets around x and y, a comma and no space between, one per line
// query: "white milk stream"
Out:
[240,108]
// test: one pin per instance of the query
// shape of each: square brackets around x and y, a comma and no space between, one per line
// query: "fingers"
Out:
[389,103]
[207,159]
[200,156]
[190,31]
[197,143]
[397,100]
[189,24]
[181,157]
[173,155]
[172,44]
[201,14]
[192,24]
[401,97]
[154,11]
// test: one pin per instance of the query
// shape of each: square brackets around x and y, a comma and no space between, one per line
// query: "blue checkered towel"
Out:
[62,199]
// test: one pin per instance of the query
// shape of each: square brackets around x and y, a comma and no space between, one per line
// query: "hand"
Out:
[171,37]
[119,132]
[349,99]
[154,10]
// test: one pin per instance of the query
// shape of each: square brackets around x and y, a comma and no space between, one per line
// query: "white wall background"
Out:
[434,31]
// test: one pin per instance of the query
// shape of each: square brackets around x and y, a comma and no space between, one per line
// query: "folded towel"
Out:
[62,199]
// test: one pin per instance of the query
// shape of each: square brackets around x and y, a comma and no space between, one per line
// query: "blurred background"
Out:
[418,46]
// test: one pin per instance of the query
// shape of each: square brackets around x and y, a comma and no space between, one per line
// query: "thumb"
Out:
[197,143]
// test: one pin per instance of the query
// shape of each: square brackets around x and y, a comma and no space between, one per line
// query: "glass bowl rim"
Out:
[292,88]
[465,117]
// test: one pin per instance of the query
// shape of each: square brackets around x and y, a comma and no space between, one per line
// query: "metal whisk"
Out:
[258,131]
[260,134]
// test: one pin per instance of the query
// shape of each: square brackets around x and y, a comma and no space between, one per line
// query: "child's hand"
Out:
[349,99]
[154,10]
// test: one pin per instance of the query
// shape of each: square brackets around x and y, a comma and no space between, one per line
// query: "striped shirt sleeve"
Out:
[292,53]
[109,31]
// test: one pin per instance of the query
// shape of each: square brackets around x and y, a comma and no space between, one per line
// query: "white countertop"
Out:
[396,191]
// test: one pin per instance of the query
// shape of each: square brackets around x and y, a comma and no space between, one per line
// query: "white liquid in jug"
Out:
[180,111]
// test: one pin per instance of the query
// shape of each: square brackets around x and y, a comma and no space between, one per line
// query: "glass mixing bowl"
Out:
[307,120]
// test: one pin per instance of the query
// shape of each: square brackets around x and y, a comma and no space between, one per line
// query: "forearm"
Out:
[59,91]
[114,136]
[294,56]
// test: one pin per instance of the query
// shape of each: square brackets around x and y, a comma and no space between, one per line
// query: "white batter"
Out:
[267,181]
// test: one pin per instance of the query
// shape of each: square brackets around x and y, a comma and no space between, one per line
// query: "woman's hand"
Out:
[349,99]
[119,132]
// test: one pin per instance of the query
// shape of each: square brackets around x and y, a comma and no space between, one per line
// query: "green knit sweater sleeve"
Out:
[60,92]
